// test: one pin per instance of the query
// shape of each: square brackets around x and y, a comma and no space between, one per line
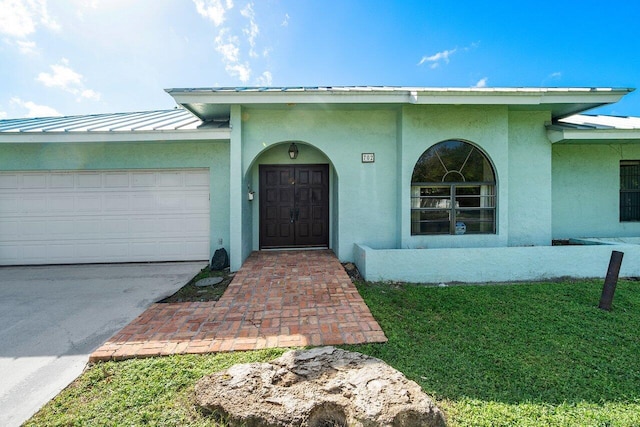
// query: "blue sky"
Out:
[73,57]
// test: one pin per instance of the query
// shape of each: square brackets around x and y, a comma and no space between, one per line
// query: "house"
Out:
[410,183]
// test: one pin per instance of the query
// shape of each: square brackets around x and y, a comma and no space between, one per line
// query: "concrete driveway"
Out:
[53,317]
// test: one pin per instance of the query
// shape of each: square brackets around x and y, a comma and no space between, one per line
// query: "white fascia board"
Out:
[290,97]
[498,97]
[566,136]
[137,136]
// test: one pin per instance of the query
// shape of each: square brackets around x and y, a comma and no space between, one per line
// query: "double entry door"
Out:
[294,206]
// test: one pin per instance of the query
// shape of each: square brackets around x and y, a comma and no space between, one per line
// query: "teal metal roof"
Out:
[160,120]
[587,121]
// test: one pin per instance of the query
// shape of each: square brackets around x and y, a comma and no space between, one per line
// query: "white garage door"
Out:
[104,216]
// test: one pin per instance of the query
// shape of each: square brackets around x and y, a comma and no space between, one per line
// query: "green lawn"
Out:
[525,354]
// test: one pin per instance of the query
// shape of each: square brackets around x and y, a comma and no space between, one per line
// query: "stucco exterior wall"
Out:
[586,190]
[370,203]
[104,156]
[529,179]
[482,265]
[486,127]
[366,192]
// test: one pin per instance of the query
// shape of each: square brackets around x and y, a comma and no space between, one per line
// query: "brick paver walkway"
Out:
[277,299]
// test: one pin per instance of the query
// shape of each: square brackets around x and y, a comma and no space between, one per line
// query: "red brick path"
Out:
[277,299]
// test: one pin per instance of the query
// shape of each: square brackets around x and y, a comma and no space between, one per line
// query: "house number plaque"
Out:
[368,157]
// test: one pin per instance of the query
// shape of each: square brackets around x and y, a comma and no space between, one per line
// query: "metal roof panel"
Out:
[176,119]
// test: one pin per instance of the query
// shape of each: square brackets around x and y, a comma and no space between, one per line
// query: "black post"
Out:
[611,280]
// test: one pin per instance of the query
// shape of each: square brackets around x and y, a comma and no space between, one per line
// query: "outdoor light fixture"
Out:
[293,151]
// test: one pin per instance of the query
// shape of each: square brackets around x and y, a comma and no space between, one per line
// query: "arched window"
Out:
[453,191]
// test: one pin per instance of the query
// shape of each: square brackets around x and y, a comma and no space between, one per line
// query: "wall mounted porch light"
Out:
[293,151]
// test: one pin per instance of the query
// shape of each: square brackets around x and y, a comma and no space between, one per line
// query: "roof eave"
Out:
[208,104]
[117,136]
[560,135]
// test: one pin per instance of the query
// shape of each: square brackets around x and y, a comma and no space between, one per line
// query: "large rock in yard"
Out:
[321,387]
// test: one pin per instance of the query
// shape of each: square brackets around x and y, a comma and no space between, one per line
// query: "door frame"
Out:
[327,206]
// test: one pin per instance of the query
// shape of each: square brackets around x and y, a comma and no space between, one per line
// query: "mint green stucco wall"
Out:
[370,203]
[529,179]
[586,190]
[363,195]
[487,127]
[104,156]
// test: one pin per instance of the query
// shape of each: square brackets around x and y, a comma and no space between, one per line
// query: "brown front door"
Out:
[294,206]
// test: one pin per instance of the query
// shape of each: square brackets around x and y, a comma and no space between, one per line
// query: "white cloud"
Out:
[285,22]
[65,78]
[437,58]
[482,82]
[238,41]
[35,110]
[266,79]
[241,71]
[443,57]
[252,30]
[3,115]
[20,18]
[214,10]
[228,46]
[26,47]
[556,75]
[90,94]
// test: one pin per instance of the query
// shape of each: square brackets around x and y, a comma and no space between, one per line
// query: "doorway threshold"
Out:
[309,248]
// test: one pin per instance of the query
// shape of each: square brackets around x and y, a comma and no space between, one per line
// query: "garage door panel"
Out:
[113,202]
[62,204]
[88,180]
[62,228]
[197,226]
[116,180]
[88,203]
[31,180]
[9,228]
[199,202]
[172,202]
[143,179]
[115,227]
[9,181]
[170,179]
[61,251]
[31,228]
[9,205]
[104,216]
[61,180]
[34,204]
[143,204]
[197,179]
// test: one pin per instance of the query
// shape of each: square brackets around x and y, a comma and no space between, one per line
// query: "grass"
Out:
[190,292]
[527,354]
[501,355]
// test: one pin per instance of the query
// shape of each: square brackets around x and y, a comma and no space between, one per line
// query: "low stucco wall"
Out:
[479,265]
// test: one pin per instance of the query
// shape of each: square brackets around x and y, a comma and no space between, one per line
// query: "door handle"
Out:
[291,217]
[297,213]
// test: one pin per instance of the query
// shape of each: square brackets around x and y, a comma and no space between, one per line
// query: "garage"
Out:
[99,216]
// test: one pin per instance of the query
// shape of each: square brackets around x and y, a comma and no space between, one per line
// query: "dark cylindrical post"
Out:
[611,280]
